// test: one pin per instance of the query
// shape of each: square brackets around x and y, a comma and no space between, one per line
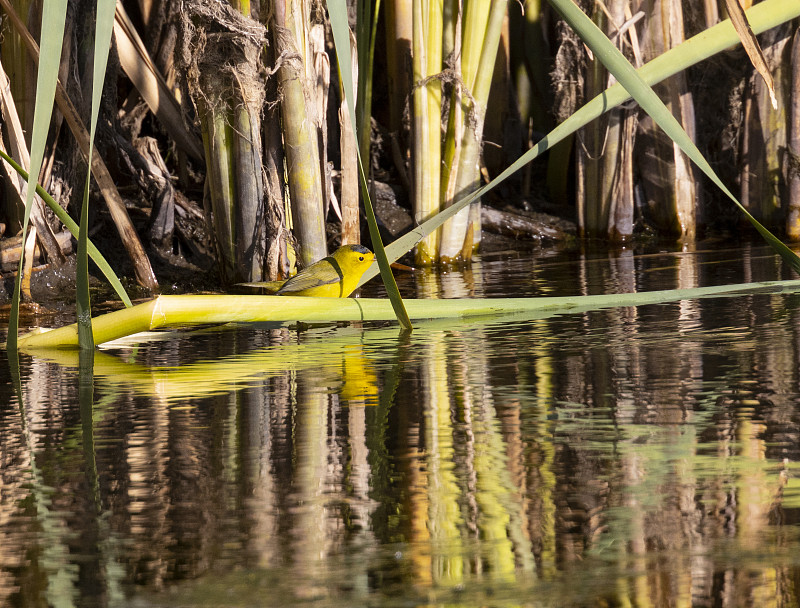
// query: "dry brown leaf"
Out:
[750,44]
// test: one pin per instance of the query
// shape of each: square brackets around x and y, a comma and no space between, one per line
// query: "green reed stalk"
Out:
[104,25]
[367,28]
[216,133]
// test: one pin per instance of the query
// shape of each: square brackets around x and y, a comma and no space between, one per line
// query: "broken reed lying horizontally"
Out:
[181,311]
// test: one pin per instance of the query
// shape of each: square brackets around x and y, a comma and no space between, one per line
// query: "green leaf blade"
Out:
[54,13]
[104,26]
[337,11]
[73,227]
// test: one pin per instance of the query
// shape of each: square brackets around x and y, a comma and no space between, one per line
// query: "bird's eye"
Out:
[361,258]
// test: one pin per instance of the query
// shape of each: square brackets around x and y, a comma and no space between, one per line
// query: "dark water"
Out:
[640,456]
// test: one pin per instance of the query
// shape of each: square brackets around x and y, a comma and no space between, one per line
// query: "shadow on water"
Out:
[631,456]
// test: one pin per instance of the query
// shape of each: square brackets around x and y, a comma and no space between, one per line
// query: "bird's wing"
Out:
[323,273]
[268,286]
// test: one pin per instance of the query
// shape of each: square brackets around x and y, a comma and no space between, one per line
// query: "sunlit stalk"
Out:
[291,20]
[468,43]
[464,76]
[427,156]
[762,17]
[457,241]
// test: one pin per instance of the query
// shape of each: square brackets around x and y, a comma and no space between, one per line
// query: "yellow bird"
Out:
[335,276]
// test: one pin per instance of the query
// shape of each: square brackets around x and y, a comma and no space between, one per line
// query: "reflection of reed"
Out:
[666,499]
[15,463]
[494,497]
[465,486]
[755,493]
[145,459]
[313,536]
[444,515]
[263,407]
[506,546]
[330,483]
[45,542]
[539,464]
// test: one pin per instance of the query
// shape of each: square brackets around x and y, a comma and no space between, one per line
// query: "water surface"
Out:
[631,456]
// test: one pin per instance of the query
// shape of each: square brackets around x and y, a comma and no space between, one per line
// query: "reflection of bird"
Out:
[333,277]
[359,381]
